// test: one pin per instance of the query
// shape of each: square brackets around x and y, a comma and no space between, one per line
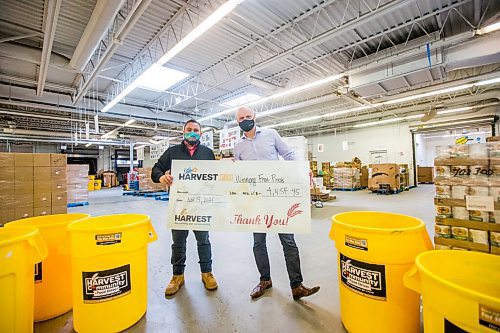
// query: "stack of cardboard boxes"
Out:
[77,183]
[468,197]
[145,182]
[313,166]
[327,171]
[32,185]
[363,180]
[387,173]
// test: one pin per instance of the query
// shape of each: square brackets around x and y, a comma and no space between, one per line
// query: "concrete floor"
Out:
[230,309]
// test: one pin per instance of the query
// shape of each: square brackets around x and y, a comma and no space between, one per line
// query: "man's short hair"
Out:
[191,121]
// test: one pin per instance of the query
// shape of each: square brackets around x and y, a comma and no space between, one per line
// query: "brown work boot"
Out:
[303,291]
[174,285]
[261,288]
[209,281]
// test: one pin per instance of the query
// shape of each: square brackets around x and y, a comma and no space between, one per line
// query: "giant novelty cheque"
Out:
[249,196]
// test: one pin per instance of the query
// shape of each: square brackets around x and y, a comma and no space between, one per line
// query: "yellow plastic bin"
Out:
[460,290]
[375,250]
[110,271]
[53,274]
[20,249]
[97,184]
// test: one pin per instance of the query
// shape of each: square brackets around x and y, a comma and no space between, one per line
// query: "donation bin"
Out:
[20,249]
[109,271]
[53,274]
[460,290]
[375,250]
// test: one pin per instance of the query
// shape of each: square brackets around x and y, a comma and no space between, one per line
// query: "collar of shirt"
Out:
[191,149]
[257,130]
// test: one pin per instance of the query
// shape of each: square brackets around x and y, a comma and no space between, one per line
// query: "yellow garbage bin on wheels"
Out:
[110,271]
[460,290]
[20,249]
[375,250]
[53,274]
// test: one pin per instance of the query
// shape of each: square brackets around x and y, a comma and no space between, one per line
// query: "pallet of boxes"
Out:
[32,185]
[146,183]
[319,192]
[77,184]
[384,176]
[347,176]
[425,175]
[467,179]
[327,171]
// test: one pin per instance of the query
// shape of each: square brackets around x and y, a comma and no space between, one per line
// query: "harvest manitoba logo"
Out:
[269,219]
[363,278]
[185,217]
[190,173]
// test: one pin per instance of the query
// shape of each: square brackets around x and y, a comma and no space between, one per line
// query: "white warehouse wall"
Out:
[395,138]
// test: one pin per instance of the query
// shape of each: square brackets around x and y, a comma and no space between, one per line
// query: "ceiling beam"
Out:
[49,30]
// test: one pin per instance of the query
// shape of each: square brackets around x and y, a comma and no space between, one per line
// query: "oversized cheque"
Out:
[260,196]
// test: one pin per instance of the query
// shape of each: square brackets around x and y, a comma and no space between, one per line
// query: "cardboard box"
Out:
[42,200]
[42,173]
[6,160]
[59,198]
[23,187]
[22,212]
[59,185]
[23,200]
[41,160]
[42,186]
[58,160]
[42,211]
[7,173]
[387,173]
[59,209]
[23,173]
[22,159]
[364,177]
[7,216]
[58,173]
[425,174]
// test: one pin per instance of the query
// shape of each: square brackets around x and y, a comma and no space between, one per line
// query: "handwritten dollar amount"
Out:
[471,172]
[282,192]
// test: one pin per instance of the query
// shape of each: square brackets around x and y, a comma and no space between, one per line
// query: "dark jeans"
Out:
[179,251]
[291,252]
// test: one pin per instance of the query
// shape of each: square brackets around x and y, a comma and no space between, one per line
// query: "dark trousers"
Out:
[179,251]
[292,259]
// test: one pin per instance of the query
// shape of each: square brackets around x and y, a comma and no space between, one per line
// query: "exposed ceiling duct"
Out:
[100,21]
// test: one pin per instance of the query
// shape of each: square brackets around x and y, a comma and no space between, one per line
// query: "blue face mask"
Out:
[192,137]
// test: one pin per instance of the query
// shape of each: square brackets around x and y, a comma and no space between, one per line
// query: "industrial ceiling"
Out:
[64,62]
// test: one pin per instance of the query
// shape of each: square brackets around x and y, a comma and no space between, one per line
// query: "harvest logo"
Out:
[192,218]
[269,219]
[363,278]
[192,174]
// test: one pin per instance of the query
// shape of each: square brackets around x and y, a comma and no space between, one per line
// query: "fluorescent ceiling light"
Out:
[139,147]
[278,95]
[488,28]
[154,142]
[467,108]
[129,122]
[88,145]
[210,21]
[455,135]
[160,78]
[242,100]
[105,136]
[380,122]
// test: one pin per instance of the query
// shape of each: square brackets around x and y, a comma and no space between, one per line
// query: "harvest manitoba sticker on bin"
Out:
[108,239]
[103,286]
[38,272]
[363,278]
[356,243]
[489,317]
